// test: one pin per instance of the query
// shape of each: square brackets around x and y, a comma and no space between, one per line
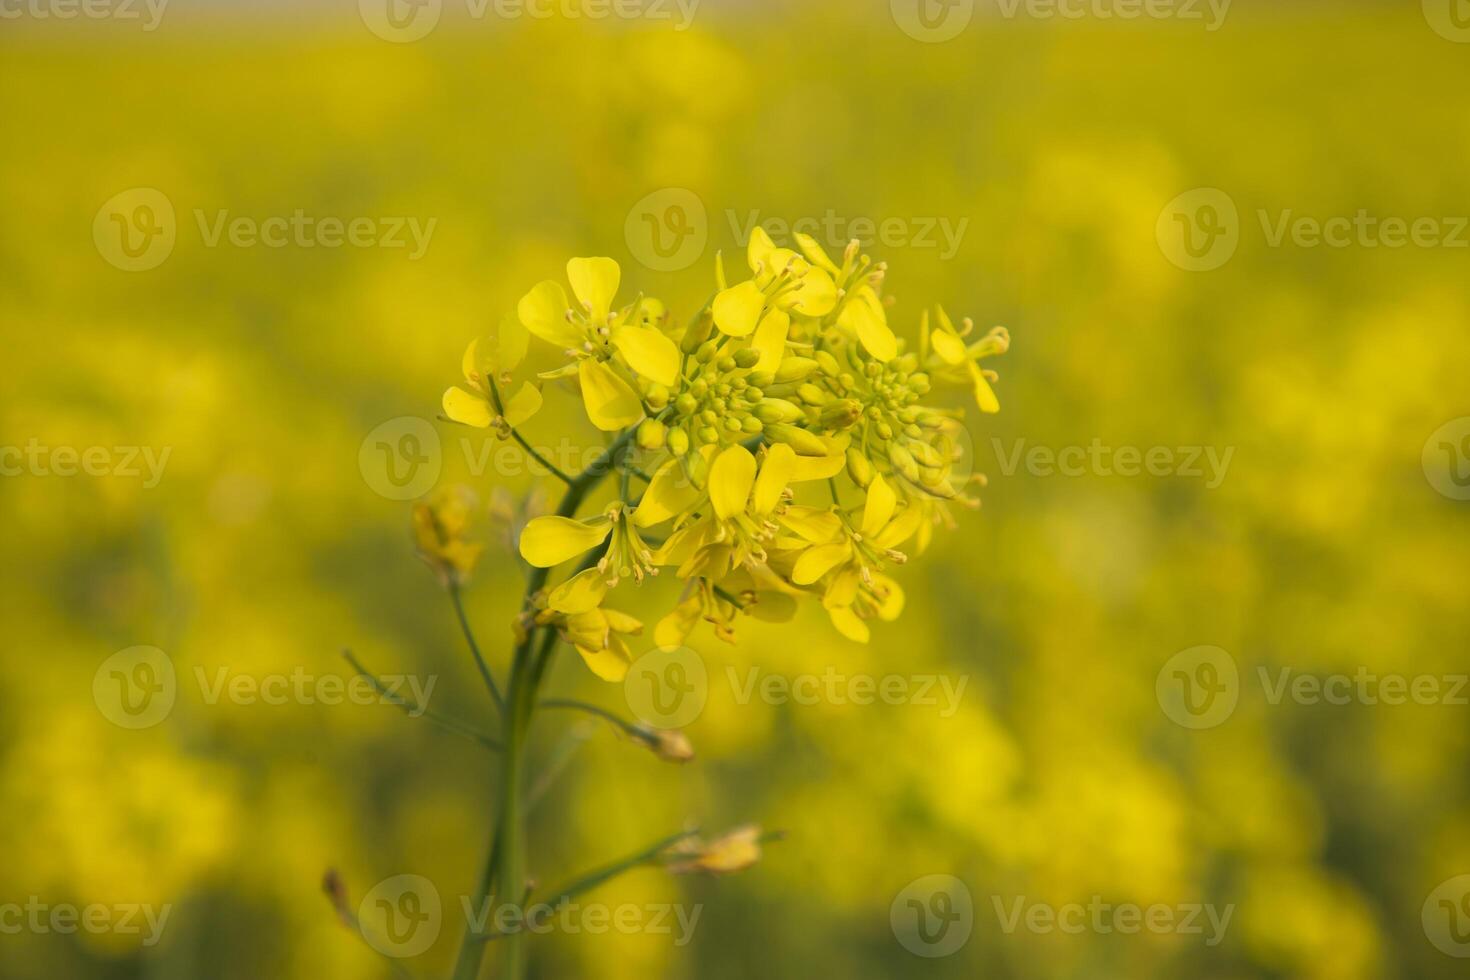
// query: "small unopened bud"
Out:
[657,397]
[686,404]
[795,368]
[903,461]
[706,352]
[813,395]
[805,443]
[828,364]
[678,442]
[771,410]
[747,358]
[859,468]
[841,414]
[652,434]
[671,746]
[752,425]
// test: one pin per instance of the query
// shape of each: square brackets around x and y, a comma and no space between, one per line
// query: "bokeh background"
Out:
[265,549]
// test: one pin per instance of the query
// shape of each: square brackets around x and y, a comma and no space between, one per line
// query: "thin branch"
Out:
[469,636]
[409,707]
[516,435]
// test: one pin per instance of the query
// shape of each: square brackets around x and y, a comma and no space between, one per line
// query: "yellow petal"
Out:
[621,622]
[984,394]
[581,593]
[611,402]
[511,341]
[543,311]
[760,252]
[737,310]
[610,663]
[843,588]
[770,340]
[670,493]
[816,526]
[815,253]
[849,625]
[730,480]
[900,529]
[467,408]
[774,476]
[595,281]
[649,353]
[675,628]
[864,316]
[470,363]
[817,295]
[879,506]
[891,605]
[525,403]
[806,468]
[951,349]
[549,541]
[773,607]
[818,561]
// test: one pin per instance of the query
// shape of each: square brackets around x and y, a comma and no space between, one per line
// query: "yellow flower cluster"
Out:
[790,377]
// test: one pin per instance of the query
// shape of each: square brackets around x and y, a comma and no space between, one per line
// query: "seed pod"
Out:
[771,410]
[859,468]
[652,434]
[795,368]
[804,442]
[903,462]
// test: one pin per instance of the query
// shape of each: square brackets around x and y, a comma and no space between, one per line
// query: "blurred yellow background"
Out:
[1027,166]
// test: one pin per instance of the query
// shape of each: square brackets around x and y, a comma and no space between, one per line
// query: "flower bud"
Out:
[752,425]
[805,443]
[859,468]
[813,395]
[685,404]
[761,379]
[671,746]
[795,368]
[770,410]
[926,454]
[706,352]
[678,442]
[657,397]
[903,461]
[747,358]
[652,434]
[828,364]
[841,414]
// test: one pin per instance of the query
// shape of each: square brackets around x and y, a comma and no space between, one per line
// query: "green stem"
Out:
[555,470]
[469,636]
[410,707]
[505,865]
